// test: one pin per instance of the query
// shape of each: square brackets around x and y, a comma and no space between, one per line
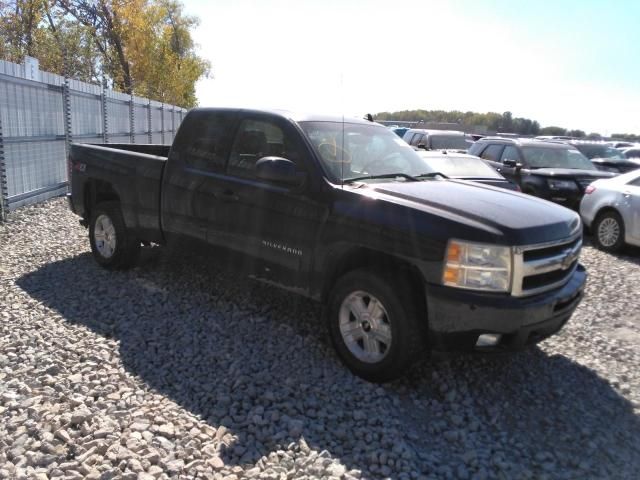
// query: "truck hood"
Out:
[513,217]
[571,173]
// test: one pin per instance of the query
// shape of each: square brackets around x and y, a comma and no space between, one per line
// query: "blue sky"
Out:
[570,63]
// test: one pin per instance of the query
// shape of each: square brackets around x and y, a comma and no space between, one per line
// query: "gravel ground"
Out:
[178,370]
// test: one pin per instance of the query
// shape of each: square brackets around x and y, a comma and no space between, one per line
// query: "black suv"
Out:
[604,156]
[551,170]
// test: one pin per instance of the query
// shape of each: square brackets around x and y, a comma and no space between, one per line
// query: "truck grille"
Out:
[538,268]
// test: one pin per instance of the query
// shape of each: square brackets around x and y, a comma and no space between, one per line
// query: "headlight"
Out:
[477,266]
[562,184]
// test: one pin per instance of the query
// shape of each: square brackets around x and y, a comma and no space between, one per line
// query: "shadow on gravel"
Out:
[257,360]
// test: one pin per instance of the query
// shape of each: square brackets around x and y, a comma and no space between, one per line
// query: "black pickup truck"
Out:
[345,212]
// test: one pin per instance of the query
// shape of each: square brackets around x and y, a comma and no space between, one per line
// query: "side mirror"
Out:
[507,162]
[279,170]
[422,146]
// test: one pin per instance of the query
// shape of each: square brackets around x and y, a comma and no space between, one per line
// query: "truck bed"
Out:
[133,173]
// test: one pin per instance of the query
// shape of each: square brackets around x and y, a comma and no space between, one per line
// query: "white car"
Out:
[611,209]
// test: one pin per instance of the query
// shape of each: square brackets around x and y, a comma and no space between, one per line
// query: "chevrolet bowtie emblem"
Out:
[568,259]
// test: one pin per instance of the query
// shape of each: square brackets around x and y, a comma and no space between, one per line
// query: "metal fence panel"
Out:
[141,115]
[86,115]
[34,129]
[118,117]
[30,109]
[33,166]
[120,139]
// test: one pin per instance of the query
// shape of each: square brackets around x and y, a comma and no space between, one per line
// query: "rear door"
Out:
[194,175]
[272,225]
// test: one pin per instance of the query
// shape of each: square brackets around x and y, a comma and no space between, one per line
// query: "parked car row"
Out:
[551,170]
[581,175]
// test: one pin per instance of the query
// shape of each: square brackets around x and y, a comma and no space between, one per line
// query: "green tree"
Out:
[137,46]
[19,21]
[553,131]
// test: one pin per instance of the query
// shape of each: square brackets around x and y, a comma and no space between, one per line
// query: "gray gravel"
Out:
[178,370]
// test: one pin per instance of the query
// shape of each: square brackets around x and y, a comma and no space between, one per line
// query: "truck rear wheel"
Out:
[112,244]
[373,324]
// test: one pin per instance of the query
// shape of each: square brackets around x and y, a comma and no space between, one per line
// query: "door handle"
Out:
[228,196]
[626,194]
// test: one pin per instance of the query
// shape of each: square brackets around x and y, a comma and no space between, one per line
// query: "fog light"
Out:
[488,340]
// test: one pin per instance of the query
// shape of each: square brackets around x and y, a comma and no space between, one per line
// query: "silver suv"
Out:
[437,139]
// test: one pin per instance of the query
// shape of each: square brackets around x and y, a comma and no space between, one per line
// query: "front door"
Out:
[631,195]
[510,172]
[273,226]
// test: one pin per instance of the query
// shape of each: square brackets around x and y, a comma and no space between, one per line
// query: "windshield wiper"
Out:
[383,175]
[431,175]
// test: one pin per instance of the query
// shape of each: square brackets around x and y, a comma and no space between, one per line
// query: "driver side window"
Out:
[257,139]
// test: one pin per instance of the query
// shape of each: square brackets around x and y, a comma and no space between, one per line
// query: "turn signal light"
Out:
[454,253]
[451,274]
[589,189]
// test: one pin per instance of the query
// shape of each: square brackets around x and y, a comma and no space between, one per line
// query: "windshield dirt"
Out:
[349,150]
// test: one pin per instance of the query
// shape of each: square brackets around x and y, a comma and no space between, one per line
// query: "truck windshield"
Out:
[351,150]
[448,142]
[546,157]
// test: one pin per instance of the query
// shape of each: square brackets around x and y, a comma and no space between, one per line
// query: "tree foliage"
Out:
[551,130]
[493,121]
[629,137]
[136,46]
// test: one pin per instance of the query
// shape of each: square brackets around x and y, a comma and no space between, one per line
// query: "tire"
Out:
[380,347]
[608,231]
[112,244]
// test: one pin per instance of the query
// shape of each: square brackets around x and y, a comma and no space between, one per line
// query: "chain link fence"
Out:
[41,113]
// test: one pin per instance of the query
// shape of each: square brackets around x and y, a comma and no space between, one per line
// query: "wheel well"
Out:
[95,192]
[358,258]
[604,210]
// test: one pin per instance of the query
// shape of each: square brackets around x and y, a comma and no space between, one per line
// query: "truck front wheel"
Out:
[112,244]
[373,324]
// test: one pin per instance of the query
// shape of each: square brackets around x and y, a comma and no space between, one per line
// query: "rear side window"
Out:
[261,138]
[408,136]
[417,139]
[476,148]
[632,153]
[492,152]
[204,140]
[635,183]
